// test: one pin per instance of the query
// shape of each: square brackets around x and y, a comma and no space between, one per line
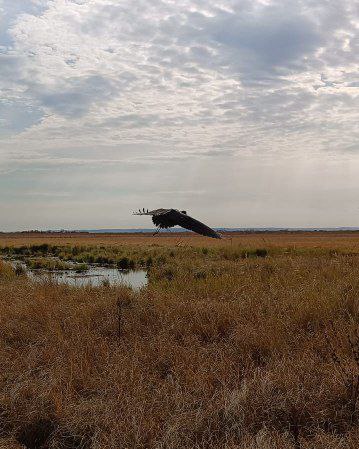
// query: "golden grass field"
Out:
[336,240]
[223,349]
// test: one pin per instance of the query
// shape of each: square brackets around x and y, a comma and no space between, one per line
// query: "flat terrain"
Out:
[245,343]
[339,240]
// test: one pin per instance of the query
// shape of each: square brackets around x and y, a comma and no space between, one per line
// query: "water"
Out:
[94,277]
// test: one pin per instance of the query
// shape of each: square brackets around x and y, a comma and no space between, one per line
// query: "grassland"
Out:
[246,343]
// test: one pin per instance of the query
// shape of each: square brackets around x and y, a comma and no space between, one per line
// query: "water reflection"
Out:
[94,276]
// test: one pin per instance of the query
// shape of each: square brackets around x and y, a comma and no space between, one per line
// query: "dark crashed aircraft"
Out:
[167,218]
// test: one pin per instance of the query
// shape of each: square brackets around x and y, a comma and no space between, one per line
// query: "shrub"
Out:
[200,274]
[21,251]
[43,249]
[261,252]
[161,260]
[20,270]
[123,263]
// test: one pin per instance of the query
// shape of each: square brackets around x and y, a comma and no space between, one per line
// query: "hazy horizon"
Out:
[179,229]
[244,113]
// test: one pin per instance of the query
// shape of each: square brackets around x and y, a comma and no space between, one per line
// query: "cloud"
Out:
[173,87]
[76,96]
[265,43]
[16,116]
[51,195]
[10,11]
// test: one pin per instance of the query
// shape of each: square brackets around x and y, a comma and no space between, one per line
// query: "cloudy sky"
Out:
[243,112]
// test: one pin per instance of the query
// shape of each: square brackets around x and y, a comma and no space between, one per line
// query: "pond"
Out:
[95,276]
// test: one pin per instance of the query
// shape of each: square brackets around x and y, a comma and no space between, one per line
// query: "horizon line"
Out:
[179,229]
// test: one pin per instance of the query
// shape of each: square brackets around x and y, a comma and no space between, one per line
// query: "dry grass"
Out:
[334,240]
[255,353]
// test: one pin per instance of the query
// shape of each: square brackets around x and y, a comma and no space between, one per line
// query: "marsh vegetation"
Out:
[235,345]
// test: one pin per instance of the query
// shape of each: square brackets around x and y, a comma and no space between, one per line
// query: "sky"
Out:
[244,113]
